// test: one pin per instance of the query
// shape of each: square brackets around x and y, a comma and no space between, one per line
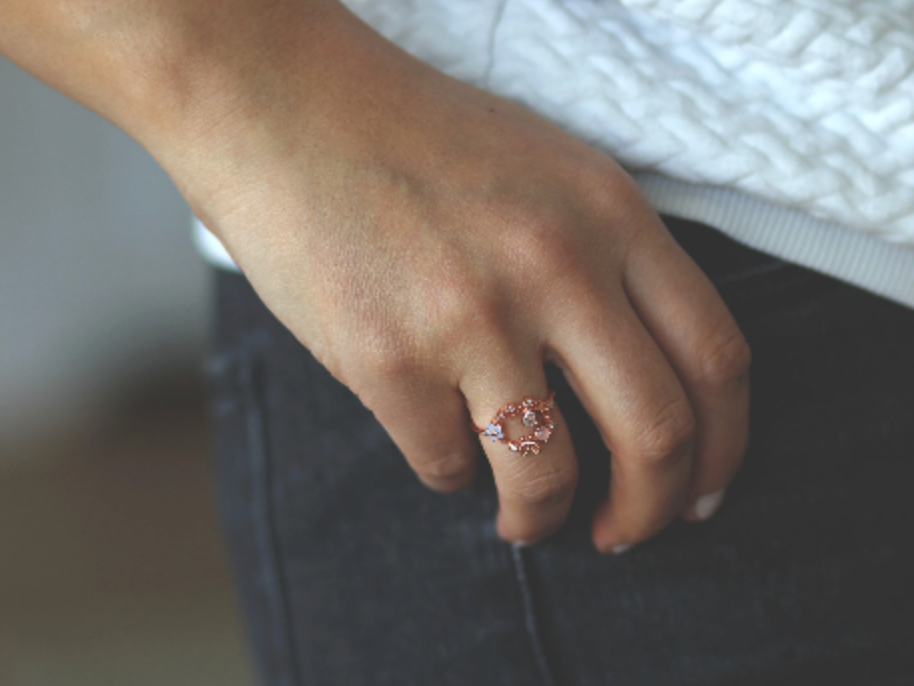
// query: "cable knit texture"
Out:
[805,103]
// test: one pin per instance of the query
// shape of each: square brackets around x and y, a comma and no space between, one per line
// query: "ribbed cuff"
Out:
[211,248]
[874,264]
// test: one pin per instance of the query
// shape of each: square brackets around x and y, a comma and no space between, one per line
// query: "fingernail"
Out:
[621,548]
[707,505]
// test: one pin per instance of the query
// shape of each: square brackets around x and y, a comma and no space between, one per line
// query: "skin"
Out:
[430,243]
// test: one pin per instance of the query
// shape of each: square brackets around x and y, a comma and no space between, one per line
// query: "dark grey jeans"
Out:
[352,573]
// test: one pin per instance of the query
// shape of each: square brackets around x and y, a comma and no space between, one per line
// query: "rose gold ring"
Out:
[535,414]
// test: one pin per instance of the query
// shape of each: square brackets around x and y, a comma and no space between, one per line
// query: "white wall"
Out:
[99,282]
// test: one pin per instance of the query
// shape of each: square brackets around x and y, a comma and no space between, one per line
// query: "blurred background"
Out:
[112,567]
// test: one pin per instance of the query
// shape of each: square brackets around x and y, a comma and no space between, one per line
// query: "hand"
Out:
[433,245]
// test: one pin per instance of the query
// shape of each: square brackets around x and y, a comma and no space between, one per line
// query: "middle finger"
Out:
[636,400]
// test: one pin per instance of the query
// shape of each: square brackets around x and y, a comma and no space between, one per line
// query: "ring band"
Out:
[535,414]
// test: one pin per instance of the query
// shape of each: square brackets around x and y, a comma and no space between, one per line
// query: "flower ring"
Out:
[535,414]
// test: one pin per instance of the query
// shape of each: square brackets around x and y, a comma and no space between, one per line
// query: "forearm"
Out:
[163,69]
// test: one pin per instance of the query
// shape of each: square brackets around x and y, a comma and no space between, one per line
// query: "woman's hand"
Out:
[433,245]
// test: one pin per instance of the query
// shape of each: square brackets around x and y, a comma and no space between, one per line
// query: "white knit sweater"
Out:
[788,124]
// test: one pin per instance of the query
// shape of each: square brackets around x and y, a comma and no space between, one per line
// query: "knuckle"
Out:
[669,434]
[447,472]
[616,188]
[551,488]
[383,357]
[726,358]
[545,243]
[462,303]
[461,307]
[371,377]
[615,195]
[391,367]
[456,287]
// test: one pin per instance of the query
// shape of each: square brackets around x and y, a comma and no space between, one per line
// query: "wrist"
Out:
[234,99]
[166,71]
[214,70]
[236,113]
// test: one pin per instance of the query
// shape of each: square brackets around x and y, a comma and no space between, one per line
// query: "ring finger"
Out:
[535,490]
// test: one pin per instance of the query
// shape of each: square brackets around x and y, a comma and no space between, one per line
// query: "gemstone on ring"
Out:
[495,432]
[534,414]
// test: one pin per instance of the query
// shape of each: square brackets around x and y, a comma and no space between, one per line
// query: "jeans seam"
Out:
[264,520]
[530,621]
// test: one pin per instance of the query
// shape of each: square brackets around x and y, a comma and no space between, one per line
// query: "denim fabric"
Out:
[353,573]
